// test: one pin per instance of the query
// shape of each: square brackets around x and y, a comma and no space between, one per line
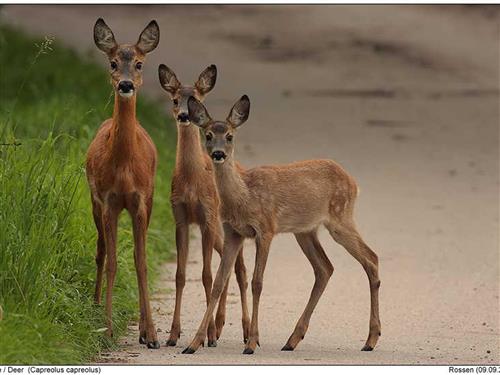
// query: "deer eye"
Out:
[209,136]
[176,102]
[229,137]
[138,66]
[113,65]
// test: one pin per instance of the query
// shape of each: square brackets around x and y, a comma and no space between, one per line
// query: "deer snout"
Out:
[126,88]
[218,156]
[183,117]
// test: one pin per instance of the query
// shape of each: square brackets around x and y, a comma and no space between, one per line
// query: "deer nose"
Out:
[183,117]
[126,86]
[218,155]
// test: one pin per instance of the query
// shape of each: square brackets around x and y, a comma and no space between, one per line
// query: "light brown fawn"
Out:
[121,166]
[263,201]
[195,200]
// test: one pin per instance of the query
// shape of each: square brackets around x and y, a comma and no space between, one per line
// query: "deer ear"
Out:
[168,79]
[198,114]
[240,111]
[103,37]
[206,80]
[149,38]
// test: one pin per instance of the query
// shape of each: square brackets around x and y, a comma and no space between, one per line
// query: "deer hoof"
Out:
[367,348]
[212,343]
[219,333]
[248,351]
[154,344]
[142,340]
[287,348]
[188,350]
[171,342]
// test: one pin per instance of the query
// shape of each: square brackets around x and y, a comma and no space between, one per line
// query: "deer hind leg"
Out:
[220,316]
[101,251]
[263,244]
[140,218]
[110,223]
[347,235]
[182,244]
[207,242]
[323,270]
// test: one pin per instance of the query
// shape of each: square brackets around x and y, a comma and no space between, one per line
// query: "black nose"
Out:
[218,155]
[125,86]
[183,117]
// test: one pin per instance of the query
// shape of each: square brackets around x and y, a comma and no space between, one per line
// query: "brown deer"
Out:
[263,201]
[195,200]
[121,166]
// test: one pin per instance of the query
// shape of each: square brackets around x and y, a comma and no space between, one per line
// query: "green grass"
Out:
[51,102]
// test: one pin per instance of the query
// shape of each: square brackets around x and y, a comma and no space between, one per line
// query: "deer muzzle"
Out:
[126,89]
[218,156]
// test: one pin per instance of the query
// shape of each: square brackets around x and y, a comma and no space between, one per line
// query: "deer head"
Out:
[219,135]
[126,60]
[180,93]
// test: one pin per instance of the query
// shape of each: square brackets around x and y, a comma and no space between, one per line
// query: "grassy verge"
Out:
[51,102]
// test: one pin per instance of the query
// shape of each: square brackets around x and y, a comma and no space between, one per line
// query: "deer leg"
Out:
[100,253]
[142,321]
[220,315]
[323,269]
[110,223]
[241,277]
[207,243]
[232,244]
[139,222]
[347,235]
[263,244]
[182,244]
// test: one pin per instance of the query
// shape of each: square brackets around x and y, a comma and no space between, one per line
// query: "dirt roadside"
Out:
[406,98]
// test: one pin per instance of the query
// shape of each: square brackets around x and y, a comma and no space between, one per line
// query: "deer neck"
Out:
[189,155]
[123,135]
[233,190]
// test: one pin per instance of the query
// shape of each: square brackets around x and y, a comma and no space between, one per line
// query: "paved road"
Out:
[406,99]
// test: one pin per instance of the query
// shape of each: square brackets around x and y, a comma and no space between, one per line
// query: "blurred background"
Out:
[406,98]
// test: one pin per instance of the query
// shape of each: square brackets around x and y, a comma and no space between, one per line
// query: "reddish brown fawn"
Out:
[263,201]
[195,200]
[121,166]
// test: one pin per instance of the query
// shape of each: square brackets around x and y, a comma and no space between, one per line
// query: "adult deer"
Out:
[195,200]
[121,166]
[261,202]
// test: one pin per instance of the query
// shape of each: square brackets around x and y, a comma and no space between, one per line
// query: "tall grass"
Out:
[51,103]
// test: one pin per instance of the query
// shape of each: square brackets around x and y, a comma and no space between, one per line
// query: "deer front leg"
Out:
[139,222]
[182,244]
[110,223]
[241,277]
[263,243]
[232,244]
[100,252]
[207,243]
[220,316]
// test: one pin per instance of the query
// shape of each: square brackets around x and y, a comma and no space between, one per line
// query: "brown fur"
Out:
[120,166]
[195,200]
[294,198]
